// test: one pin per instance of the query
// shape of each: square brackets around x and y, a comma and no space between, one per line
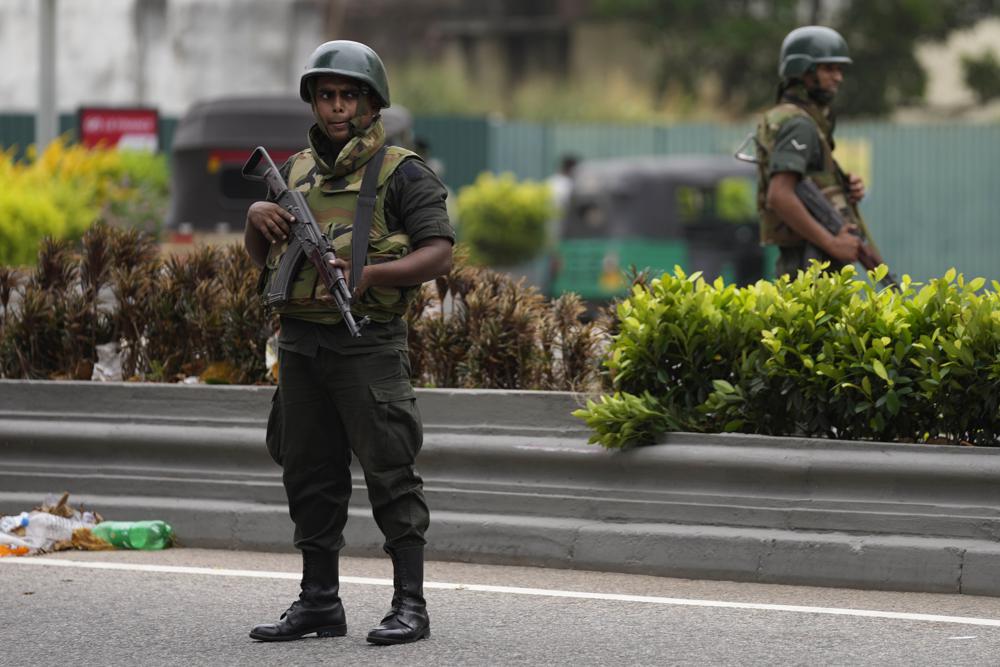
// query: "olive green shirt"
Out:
[797,147]
[414,203]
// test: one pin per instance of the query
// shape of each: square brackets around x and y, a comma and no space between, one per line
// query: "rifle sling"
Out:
[363,216]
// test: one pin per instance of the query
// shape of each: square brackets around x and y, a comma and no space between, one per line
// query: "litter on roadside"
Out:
[57,526]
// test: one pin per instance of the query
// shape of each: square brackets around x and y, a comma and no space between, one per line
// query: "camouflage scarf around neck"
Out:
[797,94]
[355,153]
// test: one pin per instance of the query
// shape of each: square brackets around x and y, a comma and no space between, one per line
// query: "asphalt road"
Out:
[194,607]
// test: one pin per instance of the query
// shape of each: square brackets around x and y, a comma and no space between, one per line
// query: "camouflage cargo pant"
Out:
[329,407]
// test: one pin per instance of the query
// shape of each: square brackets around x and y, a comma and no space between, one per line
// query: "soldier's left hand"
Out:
[856,188]
[345,266]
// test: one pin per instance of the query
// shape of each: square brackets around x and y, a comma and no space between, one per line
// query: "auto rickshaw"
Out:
[214,139]
[651,213]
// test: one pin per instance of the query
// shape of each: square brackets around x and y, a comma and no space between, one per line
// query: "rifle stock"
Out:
[307,243]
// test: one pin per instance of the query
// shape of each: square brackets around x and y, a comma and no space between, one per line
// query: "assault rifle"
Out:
[307,243]
[829,217]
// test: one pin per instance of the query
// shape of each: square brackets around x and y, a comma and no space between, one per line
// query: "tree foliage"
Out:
[982,75]
[738,41]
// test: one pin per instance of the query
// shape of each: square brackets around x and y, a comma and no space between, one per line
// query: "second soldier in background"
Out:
[794,141]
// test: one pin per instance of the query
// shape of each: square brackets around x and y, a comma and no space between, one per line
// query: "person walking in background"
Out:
[561,182]
[339,394]
[794,141]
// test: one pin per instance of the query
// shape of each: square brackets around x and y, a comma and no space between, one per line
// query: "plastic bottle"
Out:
[44,529]
[9,523]
[147,535]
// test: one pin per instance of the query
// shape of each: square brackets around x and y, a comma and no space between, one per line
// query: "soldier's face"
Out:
[338,99]
[828,77]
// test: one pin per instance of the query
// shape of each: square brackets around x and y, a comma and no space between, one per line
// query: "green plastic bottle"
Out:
[146,535]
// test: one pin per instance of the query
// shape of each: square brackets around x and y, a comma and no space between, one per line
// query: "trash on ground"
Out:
[109,363]
[57,526]
[271,356]
[220,372]
[148,535]
[9,523]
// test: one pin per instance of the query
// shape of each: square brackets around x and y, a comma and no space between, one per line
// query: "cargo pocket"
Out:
[274,424]
[397,423]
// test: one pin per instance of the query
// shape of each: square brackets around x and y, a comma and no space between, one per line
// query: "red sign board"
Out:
[221,156]
[135,128]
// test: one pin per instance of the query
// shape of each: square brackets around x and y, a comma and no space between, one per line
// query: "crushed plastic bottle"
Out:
[146,535]
[44,529]
[10,523]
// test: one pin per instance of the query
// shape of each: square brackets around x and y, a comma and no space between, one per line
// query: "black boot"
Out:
[407,621]
[318,608]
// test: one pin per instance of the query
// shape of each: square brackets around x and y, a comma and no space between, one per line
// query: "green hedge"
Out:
[823,355]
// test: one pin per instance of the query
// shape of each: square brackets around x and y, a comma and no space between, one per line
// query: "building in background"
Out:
[169,53]
[159,53]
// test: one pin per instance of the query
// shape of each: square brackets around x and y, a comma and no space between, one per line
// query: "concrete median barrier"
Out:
[510,479]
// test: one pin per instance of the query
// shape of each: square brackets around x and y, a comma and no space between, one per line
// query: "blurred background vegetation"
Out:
[654,60]
[64,190]
[494,86]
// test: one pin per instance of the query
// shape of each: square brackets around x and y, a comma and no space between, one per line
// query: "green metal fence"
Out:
[933,199]
[933,196]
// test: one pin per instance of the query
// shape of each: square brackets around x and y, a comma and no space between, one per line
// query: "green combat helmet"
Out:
[346,58]
[804,47]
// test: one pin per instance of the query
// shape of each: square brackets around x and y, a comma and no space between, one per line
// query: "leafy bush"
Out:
[61,192]
[478,328]
[823,355]
[171,318]
[201,315]
[503,221]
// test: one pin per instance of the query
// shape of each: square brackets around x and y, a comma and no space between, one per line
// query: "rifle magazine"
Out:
[280,288]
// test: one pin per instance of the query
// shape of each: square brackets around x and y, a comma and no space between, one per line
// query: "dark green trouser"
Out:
[335,404]
[792,259]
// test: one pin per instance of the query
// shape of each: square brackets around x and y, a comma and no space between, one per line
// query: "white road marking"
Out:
[516,590]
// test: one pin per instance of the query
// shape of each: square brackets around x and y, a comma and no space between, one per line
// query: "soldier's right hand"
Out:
[270,220]
[846,245]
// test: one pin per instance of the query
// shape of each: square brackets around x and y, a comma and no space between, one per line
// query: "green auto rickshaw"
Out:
[652,213]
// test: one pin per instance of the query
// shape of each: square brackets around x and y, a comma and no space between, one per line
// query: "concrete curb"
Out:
[510,479]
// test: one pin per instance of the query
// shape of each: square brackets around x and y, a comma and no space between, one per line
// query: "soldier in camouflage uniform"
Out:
[794,141]
[337,394]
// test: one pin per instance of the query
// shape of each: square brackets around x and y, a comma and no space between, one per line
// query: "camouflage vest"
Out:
[333,202]
[772,229]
